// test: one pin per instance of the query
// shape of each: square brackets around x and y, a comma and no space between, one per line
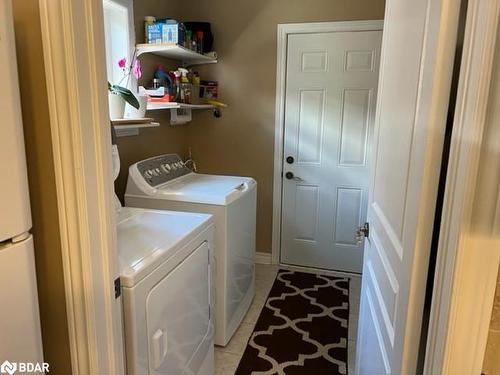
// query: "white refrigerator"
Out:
[20,339]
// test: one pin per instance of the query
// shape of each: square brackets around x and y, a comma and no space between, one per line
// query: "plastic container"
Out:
[148,20]
[209,90]
[188,42]
[199,41]
[196,97]
[186,87]
[176,92]
[182,34]
[196,79]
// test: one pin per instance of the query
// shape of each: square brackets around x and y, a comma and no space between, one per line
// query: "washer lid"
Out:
[207,189]
[147,238]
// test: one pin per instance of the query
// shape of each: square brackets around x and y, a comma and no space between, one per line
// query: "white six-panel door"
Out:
[413,95]
[331,83]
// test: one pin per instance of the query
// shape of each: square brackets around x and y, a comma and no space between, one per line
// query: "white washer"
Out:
[164,182]
[165,269]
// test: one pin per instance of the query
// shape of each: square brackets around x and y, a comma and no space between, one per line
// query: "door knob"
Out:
[290,176]
[362,232]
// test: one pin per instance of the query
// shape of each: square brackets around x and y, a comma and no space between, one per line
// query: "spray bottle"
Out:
[186,88]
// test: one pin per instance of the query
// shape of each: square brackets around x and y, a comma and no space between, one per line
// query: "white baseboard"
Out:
[263,258]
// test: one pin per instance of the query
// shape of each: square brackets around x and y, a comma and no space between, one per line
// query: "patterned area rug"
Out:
[302,328]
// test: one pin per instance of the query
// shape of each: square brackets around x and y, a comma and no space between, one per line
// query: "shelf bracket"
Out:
[127,132]
[180,116]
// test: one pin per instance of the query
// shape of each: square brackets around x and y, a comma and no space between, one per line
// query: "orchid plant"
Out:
[135,69]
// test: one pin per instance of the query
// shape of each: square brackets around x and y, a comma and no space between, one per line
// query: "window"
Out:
[119,34]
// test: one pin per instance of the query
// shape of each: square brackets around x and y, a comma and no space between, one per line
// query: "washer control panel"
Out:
[161,169]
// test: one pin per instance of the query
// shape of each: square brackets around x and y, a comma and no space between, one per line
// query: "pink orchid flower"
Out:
[136,69]
[122,63]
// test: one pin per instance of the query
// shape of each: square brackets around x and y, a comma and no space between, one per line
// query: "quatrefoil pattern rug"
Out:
[302,328]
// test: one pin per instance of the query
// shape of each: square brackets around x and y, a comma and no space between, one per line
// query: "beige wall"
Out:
[149,143]
[155,141]
[242,141]
[42,187]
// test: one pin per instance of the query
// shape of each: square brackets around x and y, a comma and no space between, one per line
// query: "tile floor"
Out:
[227,358]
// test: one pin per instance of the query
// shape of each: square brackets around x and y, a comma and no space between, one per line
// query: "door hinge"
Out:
[362,232]
[118,288]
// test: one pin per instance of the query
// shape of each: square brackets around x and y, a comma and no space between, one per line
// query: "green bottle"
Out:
[188,40]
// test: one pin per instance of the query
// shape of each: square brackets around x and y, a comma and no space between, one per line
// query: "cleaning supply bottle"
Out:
[177,94]
[164,79]
[196,79]
[186,87]
[188,42]
[196,89]
[199,41]
[148,20]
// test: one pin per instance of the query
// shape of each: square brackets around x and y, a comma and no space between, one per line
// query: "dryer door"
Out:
[178,317]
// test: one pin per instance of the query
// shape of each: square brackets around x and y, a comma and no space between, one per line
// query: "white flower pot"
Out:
[116,106]
[131,112]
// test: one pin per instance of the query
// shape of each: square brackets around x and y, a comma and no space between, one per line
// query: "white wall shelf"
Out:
[175,52]
[131,129]
[138,126]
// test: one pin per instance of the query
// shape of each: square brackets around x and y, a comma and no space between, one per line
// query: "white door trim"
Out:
[467,266]
[73,41]
[283,31]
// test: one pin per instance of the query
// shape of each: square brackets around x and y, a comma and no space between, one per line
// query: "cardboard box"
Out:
[155,33]
[170,33]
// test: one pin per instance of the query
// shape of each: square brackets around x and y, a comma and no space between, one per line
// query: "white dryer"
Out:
[165,269]
[164,182]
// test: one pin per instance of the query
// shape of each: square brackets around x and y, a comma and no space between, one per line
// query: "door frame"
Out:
[455,299]
[279,124]
[73,44]
[85,199]
[465,283]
